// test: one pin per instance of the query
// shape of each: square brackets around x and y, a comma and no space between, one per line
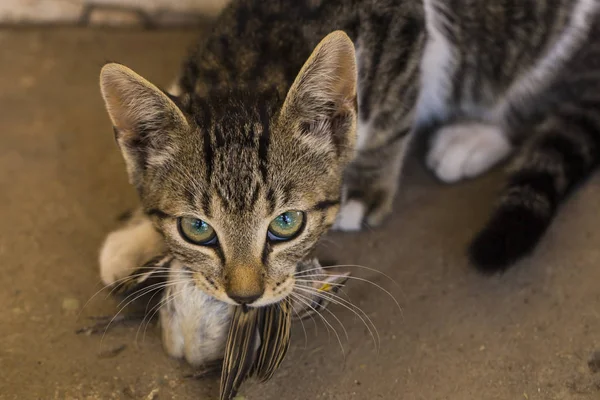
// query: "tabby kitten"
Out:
[247,161]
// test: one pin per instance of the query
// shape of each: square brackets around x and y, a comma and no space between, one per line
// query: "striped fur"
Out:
[513,74]
[563,151]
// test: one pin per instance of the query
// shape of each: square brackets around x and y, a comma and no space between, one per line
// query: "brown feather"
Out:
[257,343]
[275,323]
[240,351]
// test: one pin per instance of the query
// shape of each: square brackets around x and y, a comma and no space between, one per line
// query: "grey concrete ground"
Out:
[460,336]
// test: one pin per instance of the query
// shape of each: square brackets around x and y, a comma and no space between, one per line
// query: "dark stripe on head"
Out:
[155,212]
[206,208]
[219,138]
[255,194]
[271,200]
[204,120]
[208,154]
[263,142]
[325,204]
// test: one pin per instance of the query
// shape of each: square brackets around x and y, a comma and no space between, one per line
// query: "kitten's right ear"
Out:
[144,118]
[322,101]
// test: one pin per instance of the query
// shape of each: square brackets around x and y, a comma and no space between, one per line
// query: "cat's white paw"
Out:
[127,249]
[351,216]
[466,150]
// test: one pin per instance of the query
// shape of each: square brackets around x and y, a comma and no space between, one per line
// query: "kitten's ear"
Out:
[144,118]
[322,101]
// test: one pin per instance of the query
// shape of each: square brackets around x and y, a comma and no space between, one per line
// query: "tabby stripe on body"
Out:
[561,155]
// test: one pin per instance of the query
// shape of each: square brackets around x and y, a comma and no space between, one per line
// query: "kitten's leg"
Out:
[465,150]
[562,152]
[371,183]
[127,248]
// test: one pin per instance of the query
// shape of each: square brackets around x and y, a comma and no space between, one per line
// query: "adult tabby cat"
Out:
[246,162]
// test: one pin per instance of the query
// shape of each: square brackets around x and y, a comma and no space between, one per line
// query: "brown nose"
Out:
[244,285]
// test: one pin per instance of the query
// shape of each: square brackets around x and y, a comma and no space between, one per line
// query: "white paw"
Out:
[128,248]
[466,150]
[350,217]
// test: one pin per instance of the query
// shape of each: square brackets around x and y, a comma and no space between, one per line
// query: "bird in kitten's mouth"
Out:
[256,339]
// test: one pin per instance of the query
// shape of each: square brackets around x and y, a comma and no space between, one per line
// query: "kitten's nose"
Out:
[243,300]
[244,283]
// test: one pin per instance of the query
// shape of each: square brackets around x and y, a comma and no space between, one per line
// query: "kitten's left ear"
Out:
[322,101]
[143,116]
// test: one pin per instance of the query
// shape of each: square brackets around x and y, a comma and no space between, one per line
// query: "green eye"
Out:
[196,231]
[286,226]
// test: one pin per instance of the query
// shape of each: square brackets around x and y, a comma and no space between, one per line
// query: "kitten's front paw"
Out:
[466,150]
[129,248]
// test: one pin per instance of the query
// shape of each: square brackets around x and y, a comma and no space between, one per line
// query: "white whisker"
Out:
[131,301]
[332,297]
[349,266]
[293,295]
[370,282]
[111,284]
[300,297]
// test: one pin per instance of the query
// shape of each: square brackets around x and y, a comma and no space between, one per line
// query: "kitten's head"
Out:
[240,184]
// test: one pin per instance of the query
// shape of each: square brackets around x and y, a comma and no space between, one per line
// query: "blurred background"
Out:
[532,333]
[123,13]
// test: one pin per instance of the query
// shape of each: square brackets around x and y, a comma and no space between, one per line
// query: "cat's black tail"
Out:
[563,151]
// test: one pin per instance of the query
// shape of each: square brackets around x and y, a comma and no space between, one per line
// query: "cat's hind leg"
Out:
[466,149]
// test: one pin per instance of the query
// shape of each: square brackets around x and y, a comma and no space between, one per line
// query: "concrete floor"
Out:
[525,335]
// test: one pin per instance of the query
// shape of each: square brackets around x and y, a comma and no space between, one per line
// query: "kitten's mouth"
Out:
[276,294]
